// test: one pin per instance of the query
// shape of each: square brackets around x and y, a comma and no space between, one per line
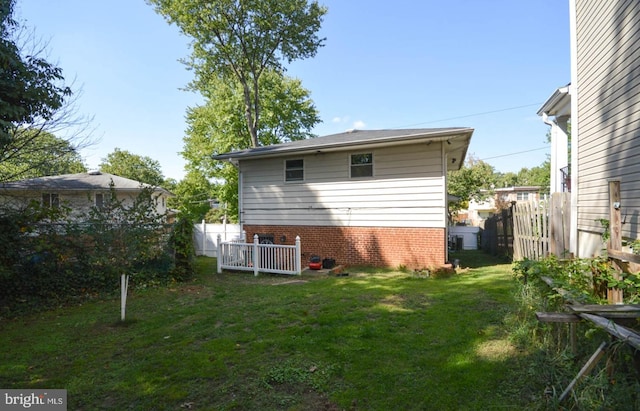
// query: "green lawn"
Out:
[373,340]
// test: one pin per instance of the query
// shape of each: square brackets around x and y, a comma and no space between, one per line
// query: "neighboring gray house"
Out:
[604,97]
[79,191]
[375,197]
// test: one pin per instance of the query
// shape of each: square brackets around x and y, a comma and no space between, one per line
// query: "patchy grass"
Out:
[373,340]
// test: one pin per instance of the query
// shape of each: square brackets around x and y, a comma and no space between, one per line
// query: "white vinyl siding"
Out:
[407,190]
[608,56]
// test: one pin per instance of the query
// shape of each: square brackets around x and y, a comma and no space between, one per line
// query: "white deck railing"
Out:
[256,257]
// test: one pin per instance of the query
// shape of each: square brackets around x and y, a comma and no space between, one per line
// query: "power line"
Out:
[513,154]
[473,115]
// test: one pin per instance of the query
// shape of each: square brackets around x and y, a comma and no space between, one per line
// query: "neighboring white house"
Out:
[79,191]
[603,102]
[556,112]
[375,197]
[519,193]
[479,211]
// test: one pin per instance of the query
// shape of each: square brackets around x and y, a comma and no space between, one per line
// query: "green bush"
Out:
[50,258]
[552,362]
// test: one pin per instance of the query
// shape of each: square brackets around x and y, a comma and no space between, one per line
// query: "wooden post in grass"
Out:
[614,295]
[586,369]
[124,287]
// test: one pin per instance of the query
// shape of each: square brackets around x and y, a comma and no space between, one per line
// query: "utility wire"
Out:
[473,115]
[513,154]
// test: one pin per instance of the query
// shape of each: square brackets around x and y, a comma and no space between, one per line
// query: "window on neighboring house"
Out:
[362,165]
[294,170]
[100,201]
[50,200]
[522,196]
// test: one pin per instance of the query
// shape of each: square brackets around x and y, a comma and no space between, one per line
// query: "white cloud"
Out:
[342,119]
[359,124]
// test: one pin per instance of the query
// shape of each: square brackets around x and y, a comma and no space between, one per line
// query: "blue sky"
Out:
[487,64]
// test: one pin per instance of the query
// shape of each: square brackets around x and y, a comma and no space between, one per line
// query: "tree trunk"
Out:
[249,115]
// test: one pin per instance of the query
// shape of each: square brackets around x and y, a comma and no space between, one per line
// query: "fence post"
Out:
[298,256]
[243,236]
[614,295]
[204,237]
[256,256]
[219,253]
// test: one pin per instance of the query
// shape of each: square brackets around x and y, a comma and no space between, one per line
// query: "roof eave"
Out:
[465,133]
[559,104]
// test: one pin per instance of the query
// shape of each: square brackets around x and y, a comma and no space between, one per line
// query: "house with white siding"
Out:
[603,102]
[79,191]
[374,197]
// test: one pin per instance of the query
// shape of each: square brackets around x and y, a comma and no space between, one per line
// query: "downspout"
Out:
[554,155]
[236,164]
[575,129]
[446,201]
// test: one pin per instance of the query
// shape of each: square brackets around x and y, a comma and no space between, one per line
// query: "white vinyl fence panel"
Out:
[205,236]
[256,257]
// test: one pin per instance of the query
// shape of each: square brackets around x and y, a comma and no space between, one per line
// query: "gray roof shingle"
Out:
[354,138]
[78,182]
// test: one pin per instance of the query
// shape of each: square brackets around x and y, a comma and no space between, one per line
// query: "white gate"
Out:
[256,257]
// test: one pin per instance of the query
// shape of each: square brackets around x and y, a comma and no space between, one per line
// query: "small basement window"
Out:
[362,165]
[294,170]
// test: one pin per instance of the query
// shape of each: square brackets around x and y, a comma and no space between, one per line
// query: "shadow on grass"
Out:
[476,258]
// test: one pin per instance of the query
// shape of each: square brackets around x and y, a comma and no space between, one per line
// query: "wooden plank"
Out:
[545,317]
[609,308]
[619,255]
[618,331]
[595,357]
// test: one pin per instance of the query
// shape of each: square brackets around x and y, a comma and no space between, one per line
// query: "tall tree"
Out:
[194,195]
[41,154]
[140,168]
[473,181]
[33,97]
[218,127]
[240,40]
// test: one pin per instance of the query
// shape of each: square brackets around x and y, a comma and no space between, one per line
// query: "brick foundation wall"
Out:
[414,248]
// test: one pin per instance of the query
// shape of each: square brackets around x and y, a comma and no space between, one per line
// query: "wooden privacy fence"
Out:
[541,228]
[497,236]
[256,257]
[530,229]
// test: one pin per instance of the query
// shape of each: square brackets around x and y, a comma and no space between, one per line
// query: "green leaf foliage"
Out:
[51,258]
[240,41]
[218,127]
[36,153]
[30,87]
[472,182]
[135,167]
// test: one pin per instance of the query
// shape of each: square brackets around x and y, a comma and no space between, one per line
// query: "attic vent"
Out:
[94,172]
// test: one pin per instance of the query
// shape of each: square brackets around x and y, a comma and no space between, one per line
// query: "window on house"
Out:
[100,201]
[523,196]
[294,170]
[50,200]
[362,165]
